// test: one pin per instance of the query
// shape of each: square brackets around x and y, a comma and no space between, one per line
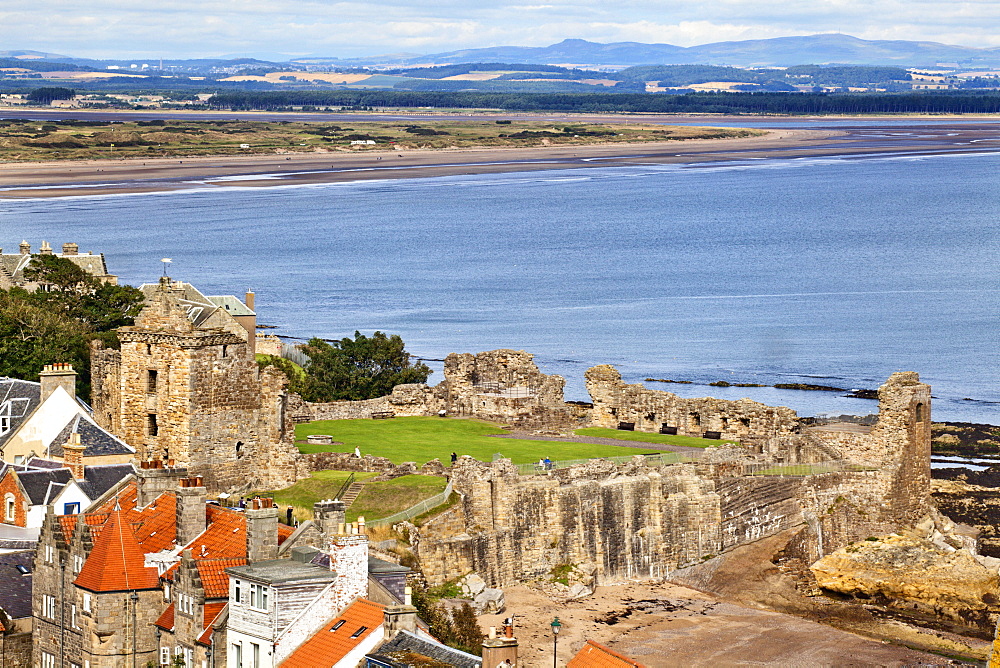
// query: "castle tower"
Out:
[185,388]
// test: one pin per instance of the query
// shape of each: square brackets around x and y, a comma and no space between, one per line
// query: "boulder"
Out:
[489,601]
[579,590]
[472,585]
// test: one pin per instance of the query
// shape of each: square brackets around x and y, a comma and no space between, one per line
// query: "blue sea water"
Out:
[831,271]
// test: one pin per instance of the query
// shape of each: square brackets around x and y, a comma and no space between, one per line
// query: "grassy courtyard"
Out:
[421,439]
[643,437]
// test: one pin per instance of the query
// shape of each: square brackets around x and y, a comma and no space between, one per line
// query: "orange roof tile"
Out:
[213,575]
[284,531]
[212,612]
[596,655]
[117,562]
[327,646]
[166,620]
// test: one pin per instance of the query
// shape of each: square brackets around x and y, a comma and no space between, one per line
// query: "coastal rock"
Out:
[916,574]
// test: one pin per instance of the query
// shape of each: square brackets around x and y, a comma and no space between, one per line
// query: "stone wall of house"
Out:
[634,521]
[15,648]
[649,410]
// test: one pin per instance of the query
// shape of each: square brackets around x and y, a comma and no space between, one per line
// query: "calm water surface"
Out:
[830,271]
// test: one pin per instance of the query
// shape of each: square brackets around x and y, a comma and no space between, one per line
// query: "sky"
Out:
[211,28]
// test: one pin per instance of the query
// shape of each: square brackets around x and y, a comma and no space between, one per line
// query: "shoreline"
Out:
[28,180]
[136,175]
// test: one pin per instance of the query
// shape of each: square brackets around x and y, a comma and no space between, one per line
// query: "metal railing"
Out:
[343,488]
[413,511]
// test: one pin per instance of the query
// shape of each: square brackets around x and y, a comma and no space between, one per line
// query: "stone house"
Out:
[36,419]
[185,387]
[12,265]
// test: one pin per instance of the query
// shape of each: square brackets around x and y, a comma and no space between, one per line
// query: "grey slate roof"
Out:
[376,565]
[96,440]
[394,652]
[281,570]
[231,304]
[42,485]
[99,479]
[23,398]
[15,587]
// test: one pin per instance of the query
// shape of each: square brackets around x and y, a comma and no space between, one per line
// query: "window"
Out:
[255,655]
[48,606]
[225,351]
[86,602]
[151,428]
[185,603]
[50,554]
[920,413]
[77,563]
[258,596]
[237,655]
[236,594]
[151,381]
[9,506]
[166,592]
[164,656]
[72,617]
[337,625]
[358,633]
[19,460]
[48,660]
[71,508]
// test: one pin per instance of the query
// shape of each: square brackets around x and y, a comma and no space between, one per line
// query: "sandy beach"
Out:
[101,177]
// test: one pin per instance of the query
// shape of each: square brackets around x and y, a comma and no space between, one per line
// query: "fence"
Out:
[413,511]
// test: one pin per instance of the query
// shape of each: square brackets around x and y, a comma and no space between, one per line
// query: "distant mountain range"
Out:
[776,52]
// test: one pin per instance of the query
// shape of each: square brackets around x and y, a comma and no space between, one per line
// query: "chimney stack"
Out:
[190,509]
[57,375]
[71,249]
[328,515]
[155,479]
[398,618]
[262,530]
[250,299]
[25,247]
[73,456]
[46,248]
[348,552]
[498,649]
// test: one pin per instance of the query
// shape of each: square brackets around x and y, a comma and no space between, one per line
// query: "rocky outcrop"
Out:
[931,570]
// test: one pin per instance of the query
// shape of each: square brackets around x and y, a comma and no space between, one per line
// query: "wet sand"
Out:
[99,177]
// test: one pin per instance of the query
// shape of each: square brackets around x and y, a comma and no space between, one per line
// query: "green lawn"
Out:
[644,437]
[320,485]
[421,439]
[379,499]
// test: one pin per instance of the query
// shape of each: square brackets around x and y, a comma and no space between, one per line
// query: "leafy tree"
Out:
[296,374]
[359,368]
[32,336]
[47,94]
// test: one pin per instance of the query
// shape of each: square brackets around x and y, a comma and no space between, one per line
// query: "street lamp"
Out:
[555,640]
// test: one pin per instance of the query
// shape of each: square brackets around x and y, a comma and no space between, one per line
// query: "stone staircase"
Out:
[352,493]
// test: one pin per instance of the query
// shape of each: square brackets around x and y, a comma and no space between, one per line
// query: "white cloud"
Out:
[187,28]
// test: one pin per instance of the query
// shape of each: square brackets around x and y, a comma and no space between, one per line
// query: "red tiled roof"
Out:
[213,575]
[166,620]
[117,562]
[327,647]
[212,612]
[284,531]
[596,655]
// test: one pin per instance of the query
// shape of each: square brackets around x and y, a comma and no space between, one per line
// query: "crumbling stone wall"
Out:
[616,401]
[406,400]
[632,521]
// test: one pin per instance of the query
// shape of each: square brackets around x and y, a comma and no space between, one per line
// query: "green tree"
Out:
[296,374]
[359,368]
[32,336]
[47,94]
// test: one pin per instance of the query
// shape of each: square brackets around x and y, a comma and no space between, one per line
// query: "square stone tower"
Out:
[185,387]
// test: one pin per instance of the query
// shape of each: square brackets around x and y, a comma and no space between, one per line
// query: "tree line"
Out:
[932,102]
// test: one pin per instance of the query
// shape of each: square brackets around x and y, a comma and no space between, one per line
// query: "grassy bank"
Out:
[33,141]
[421,439]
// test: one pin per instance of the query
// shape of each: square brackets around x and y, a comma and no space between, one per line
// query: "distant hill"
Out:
[776,52]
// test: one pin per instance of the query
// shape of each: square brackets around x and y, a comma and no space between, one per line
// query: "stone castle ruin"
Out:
[647,521]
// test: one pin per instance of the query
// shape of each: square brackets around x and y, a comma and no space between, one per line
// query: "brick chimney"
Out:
[25,247]
[502,647]
[71,249]
[328,515]
[348,552]
[46,248]
[190,509]
[57,375]
[73,456]
[262,530]
[398,618]
[155,479]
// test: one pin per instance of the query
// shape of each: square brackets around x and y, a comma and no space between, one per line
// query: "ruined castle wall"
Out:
[616,401]
[105,385]
[405,401]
